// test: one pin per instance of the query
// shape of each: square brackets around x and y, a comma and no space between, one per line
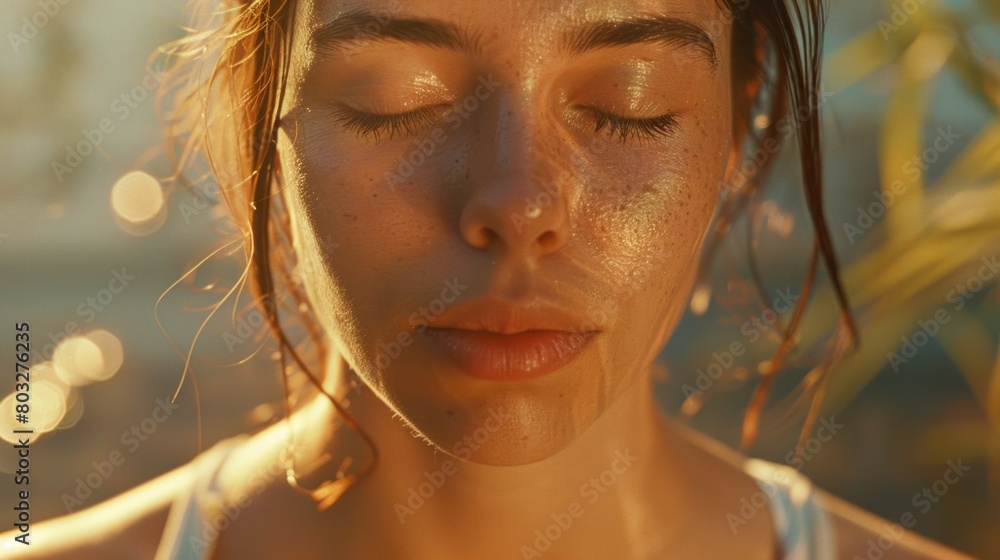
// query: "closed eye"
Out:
[626,129]
[371,124]
[367,124]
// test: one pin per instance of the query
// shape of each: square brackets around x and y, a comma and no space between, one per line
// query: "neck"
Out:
[609,469]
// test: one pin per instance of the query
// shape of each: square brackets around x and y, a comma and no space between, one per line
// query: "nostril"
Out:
[483,238]
[548,240]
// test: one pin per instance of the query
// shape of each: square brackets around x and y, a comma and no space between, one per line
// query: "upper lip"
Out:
[505,317]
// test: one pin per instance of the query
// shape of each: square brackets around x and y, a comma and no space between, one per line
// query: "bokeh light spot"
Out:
[700,299]
[137,197]
[78,361]
[7,422]
[48,406]
[45,371]
[111,351]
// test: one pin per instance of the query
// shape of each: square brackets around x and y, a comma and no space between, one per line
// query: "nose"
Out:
[517,197]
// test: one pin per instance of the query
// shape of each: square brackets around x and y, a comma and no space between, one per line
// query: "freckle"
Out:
[449,412]
[374,195]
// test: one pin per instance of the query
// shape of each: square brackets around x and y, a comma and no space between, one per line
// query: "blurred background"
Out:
[90,240]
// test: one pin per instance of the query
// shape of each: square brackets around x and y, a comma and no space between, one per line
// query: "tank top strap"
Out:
[802,526]
[189,533]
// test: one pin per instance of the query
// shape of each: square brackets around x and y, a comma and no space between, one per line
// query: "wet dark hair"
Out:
[228,81]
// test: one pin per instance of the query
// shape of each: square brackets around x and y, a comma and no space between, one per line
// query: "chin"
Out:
[509,429]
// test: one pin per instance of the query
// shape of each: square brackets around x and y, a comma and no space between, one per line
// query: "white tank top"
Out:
[802,527]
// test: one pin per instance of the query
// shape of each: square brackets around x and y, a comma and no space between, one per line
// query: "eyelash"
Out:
[365,123]
[374,124]
[635,129]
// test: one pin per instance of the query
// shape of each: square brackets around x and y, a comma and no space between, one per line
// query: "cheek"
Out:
[343,250]
[647,214]
[368,231]
[648,211]
[349,197]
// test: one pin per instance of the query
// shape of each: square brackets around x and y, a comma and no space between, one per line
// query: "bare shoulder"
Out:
[126,526]
[861,534]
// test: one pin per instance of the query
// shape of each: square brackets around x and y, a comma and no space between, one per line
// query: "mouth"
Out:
[510,357]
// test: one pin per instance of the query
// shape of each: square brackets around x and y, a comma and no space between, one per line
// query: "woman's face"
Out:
[497,206]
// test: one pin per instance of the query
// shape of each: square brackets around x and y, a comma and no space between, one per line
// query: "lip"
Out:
[495,340]
[518,356]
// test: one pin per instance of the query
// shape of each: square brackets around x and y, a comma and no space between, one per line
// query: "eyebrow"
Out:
[361,25]
[647,29]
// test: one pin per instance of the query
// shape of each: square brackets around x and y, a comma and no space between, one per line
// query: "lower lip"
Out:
[510,357]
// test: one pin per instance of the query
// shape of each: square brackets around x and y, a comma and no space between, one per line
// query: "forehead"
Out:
[522,25]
